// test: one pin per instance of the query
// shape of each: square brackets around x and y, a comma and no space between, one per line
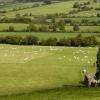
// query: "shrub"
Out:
[31,28]
[33,40]
[76,27]
[43,29]
[47,2]
[12,40]
[11,29]
[90,41]
[76,5]
[29,40]
[64,42]
[51,42]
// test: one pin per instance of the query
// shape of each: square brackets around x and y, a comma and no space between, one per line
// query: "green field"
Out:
[17,26]
[22,27]
[61,7]
[47,72]
[47,9]
[24,69]
[46,35]
[84,28]
[92,12]
[9,7]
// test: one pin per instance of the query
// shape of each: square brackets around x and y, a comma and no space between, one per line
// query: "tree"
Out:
[77,41]
[51,42]
[98,64]
[12,40]
[43,28]
[61,25]
[32,28]
[11,29]
[90,41]
[98,15]
[95,1]
[18,15]
[76,5]
[64,42]
[76,27]
[29,40]
[47,2]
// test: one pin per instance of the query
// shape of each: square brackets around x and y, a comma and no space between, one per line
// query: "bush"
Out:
[76,5]
[11,29]
[33,40]
[51,42]
[76,28]
[43,29]
[77,41]
[12,40]
[90,41]
[64,42]
[47,2]
[31,28]
[29,40]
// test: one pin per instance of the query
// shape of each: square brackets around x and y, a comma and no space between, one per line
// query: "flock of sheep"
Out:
[75,55]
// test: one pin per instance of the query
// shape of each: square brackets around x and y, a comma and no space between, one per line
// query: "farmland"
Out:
[46,58]
[51,67]
[21,27]
[46,35]
[62,7]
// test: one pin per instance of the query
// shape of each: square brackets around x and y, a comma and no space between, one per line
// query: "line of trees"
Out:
[49,28]
[79,40]
[49,19]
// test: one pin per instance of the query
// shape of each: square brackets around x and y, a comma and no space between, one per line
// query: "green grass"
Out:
[17,26]
[47,9]
[21,27]
[46,35]
[84,28]
[61,7]
[46,73]
[26,69]
[69,93]
[11,6]
[89,13]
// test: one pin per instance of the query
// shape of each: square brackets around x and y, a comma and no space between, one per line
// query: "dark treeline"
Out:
[78,41]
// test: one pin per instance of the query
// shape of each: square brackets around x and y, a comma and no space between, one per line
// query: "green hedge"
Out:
[79,40]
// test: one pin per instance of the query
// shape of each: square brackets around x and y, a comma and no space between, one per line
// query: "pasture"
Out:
[23,26]
[61,7]
[17,26]
[10,7]
[47,72]
[46,9]
[46,35]
[24,69]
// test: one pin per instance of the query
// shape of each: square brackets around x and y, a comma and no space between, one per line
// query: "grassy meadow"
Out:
[17,26]
[48,72]
[47,9]
[26,69]
[46,35]
[60,7]
[23,26]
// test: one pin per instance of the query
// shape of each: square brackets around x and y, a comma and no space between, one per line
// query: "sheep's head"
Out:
[84,71]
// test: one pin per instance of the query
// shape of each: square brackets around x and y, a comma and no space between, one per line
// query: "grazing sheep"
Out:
[89,79]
